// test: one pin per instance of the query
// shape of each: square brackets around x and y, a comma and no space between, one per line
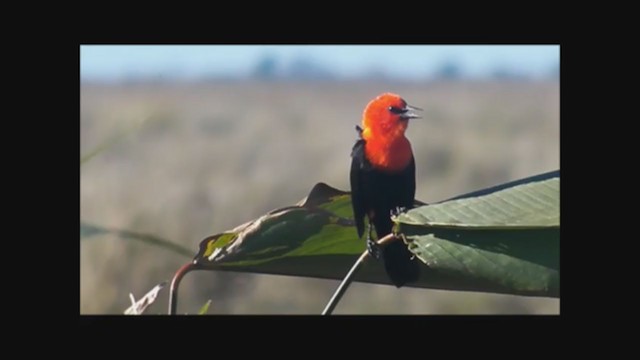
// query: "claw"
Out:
[398,210]
[373,248]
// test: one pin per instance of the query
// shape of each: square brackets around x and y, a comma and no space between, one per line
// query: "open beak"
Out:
[409,113]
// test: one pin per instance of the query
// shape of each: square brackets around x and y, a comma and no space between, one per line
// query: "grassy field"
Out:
[212,156]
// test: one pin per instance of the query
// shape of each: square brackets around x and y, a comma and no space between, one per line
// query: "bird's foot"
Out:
[398,210]
[373,248]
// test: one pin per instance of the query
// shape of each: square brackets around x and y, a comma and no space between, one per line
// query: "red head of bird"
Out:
[384,122]
[387,117]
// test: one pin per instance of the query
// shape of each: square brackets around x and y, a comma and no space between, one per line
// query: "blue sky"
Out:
[115,62]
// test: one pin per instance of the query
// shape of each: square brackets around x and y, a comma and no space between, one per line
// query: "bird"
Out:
[383,180]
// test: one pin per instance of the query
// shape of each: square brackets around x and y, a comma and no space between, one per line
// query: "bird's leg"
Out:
[372,247]
[398,210]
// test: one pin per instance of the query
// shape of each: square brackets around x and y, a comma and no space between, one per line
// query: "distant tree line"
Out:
[301,69]
[268,68]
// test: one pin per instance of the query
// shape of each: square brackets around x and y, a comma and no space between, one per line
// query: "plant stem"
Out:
[173,292]
[351,274]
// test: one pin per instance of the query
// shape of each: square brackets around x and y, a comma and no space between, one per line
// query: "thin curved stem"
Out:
[351,274]
[173,292]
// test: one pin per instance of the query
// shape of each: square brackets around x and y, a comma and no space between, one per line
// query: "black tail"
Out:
[399,265]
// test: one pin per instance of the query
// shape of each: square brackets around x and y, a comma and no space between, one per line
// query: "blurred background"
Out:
[204,138]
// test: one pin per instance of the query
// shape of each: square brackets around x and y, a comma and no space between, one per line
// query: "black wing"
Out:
[410,185]
[358,164]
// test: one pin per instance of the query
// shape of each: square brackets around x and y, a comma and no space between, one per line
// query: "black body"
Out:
[377,193]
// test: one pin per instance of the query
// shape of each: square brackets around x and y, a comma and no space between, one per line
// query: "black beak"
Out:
[409,113]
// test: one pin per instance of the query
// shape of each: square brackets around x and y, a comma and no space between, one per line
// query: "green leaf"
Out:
[507,238]
[203,310]
[533,204]
[317,238]
[89,230]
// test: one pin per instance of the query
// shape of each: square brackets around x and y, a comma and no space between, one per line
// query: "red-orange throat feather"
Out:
[390,156]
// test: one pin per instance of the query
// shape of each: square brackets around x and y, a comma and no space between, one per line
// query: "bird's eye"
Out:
[397,110]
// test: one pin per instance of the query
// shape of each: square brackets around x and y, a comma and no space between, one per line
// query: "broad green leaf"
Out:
[317,238]
[506,238]
[523,262]
[529,205]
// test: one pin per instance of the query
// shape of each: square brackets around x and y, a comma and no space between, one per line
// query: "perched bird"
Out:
[383,180]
